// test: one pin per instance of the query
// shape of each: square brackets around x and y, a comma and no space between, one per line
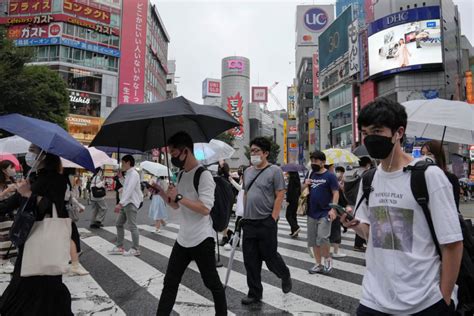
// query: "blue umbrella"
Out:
[292,167]
[49,137]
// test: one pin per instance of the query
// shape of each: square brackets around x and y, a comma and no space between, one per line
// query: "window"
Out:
[108,102]
[69,28]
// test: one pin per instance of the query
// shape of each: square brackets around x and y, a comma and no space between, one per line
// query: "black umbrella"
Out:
[361,151]
[146,126]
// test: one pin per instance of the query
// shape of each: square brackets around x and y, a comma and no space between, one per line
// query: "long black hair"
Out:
[4,165]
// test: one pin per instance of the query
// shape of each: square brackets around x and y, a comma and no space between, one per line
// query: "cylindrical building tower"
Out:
[235,100]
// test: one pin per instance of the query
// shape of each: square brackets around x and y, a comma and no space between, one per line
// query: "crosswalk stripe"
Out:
[273,296]
[317,280]
[188,301]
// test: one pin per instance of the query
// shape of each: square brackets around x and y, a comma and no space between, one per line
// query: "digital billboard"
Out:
[405,41]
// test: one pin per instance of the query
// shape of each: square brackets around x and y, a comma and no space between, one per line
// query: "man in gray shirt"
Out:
[264,187]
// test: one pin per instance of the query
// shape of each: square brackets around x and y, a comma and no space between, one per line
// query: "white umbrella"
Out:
[444,120]
[212,152]
[14,145]
[99,158]
[155,168]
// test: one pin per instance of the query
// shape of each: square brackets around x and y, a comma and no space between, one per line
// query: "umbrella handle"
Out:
[166,151]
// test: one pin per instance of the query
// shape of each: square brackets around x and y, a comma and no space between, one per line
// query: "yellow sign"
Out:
[469,88]
[83,128]
[285,142]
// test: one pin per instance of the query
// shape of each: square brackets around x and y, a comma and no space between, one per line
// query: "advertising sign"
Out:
[355,115]
[235,65]
[293,130]
[405,41]
[364,55]
[285,142]
[291,102]
[211,88]
[354,59]
[312,133]
[358,9]
[37,41]
[29,7]
[234,108]
[311,21]
[85,11]
[132,63]
[90,47]
[34,31]
[316,74]
[260,94]
[331,77]
[469,88]
[369,10]
[334,41]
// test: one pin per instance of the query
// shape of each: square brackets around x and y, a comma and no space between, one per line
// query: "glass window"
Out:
[87,104]
[77,54]
[69,29]
[108,102]
[114,19]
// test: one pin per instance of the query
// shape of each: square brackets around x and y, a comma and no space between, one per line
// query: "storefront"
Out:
[83,128]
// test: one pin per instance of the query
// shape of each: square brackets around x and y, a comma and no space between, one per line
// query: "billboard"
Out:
[358,9]
[260,94]
[85,11]
[469,88]
[234,108]
[311,20]
[285,142]
[334,41]
[132,63]
[29,7]
[354,58]
[291,102]
[211,88]
[316,74]
[23,31]
[405,40]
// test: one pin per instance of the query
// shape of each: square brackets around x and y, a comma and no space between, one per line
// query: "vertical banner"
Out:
[369,10]
[285,142]
[364,43]
[353,38]
[316,73]
[234,108]
[291,102]
[355,115]
[469,88]
[133,49]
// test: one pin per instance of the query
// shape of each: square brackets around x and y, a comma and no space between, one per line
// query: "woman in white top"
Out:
[158,211]
[239,207]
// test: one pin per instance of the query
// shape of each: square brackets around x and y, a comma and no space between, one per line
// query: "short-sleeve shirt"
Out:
[261,196]
[321,192]
[403,267]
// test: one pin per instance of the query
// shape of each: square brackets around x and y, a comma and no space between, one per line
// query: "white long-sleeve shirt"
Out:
[131,191]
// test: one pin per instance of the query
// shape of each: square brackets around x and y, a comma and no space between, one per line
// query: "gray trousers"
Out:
[127,213]
[99,208]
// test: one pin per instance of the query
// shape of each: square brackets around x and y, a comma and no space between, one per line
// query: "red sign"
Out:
[34,31]
[293,130]
[368,93]
[29,7]
[316,73]
[234,107]
[133,50]
[214,87]
[79,9]
[369,10]
[259,94]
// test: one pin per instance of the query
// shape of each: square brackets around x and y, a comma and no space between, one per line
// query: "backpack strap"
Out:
[367,179]
[197,177]
[420,192]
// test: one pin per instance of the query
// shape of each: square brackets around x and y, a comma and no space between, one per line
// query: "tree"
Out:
[227,138]
[272,156]
[35,91]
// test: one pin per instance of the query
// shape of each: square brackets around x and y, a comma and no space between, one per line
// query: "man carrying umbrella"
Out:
[196,236]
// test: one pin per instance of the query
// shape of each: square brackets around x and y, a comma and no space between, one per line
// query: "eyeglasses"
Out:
[255,150]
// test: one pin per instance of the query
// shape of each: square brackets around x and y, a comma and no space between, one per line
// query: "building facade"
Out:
[171,86]
[212,92]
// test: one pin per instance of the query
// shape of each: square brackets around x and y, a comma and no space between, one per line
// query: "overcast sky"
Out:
[204,32]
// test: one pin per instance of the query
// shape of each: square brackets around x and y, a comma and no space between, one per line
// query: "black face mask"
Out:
[178,163]
[315,167]
[379,147]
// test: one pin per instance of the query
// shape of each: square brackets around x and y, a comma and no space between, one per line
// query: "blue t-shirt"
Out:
[321,188]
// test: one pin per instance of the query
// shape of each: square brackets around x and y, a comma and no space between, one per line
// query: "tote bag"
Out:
[47,248]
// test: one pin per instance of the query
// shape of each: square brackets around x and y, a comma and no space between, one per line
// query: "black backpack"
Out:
[223,199]
[419,189]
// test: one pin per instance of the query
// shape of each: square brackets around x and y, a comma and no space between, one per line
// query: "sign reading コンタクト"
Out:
[132,63]
[234,108]
[82,10]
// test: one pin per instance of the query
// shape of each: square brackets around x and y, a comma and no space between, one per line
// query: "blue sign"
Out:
[37,41]
[431,24]
[90,47]
[431,94]
[402,17]
[315,19]
[358,10]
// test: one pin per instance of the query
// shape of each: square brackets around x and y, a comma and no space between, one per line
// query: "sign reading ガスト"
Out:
[34,31]
[234,108]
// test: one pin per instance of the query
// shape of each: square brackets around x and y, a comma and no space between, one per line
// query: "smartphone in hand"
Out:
[341,211]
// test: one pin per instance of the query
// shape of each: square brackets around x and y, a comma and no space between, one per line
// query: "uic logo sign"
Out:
[315,19]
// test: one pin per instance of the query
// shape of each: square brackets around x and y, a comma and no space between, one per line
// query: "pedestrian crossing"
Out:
[121,285]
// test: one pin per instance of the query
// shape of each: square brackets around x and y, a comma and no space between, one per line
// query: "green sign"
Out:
[334,41]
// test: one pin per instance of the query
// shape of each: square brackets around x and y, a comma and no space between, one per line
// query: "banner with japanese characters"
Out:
[85,11]
[234,108]
[24,7]
[133,52]
[34,31]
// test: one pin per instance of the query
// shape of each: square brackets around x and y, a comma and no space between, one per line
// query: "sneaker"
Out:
[117,251]
[227,247]
[328,265]
[7,268]
[339,255]
[316,269]
[131,252]
[157,231]
[296,232]
[310,251]
[250,300]
[77,269]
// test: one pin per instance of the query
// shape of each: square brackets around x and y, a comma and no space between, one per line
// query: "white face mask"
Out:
[339,175]
[255,160]
[30,159]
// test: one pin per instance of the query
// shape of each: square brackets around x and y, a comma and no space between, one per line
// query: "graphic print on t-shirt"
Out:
[391,228]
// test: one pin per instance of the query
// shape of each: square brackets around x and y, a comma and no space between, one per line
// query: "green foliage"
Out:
[34,91]
[226,138]
[274,151]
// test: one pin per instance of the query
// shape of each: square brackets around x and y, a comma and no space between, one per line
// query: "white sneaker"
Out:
[78,269]
[339,255]
[327,265]
[132,252]
[157,231]
[227,247]
[117,251]
[7,268]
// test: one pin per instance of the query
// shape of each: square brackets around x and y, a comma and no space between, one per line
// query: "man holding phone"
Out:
[324,189]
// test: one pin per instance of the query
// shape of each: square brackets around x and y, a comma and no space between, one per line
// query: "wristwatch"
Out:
[179,197]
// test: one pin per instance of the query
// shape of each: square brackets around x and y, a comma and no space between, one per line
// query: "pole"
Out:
[166,149]
[442,138]
[117,194]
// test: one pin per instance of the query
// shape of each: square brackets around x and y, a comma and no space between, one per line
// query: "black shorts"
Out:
[335,237]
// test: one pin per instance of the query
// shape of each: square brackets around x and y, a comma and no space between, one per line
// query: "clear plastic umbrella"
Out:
[212,152]
[235,242]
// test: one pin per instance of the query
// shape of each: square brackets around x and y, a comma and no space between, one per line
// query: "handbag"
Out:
[303,203]
[97,192]
[23,222]
[46,250]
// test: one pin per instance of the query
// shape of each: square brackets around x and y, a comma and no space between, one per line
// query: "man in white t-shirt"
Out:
[195,237]
[404,273]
